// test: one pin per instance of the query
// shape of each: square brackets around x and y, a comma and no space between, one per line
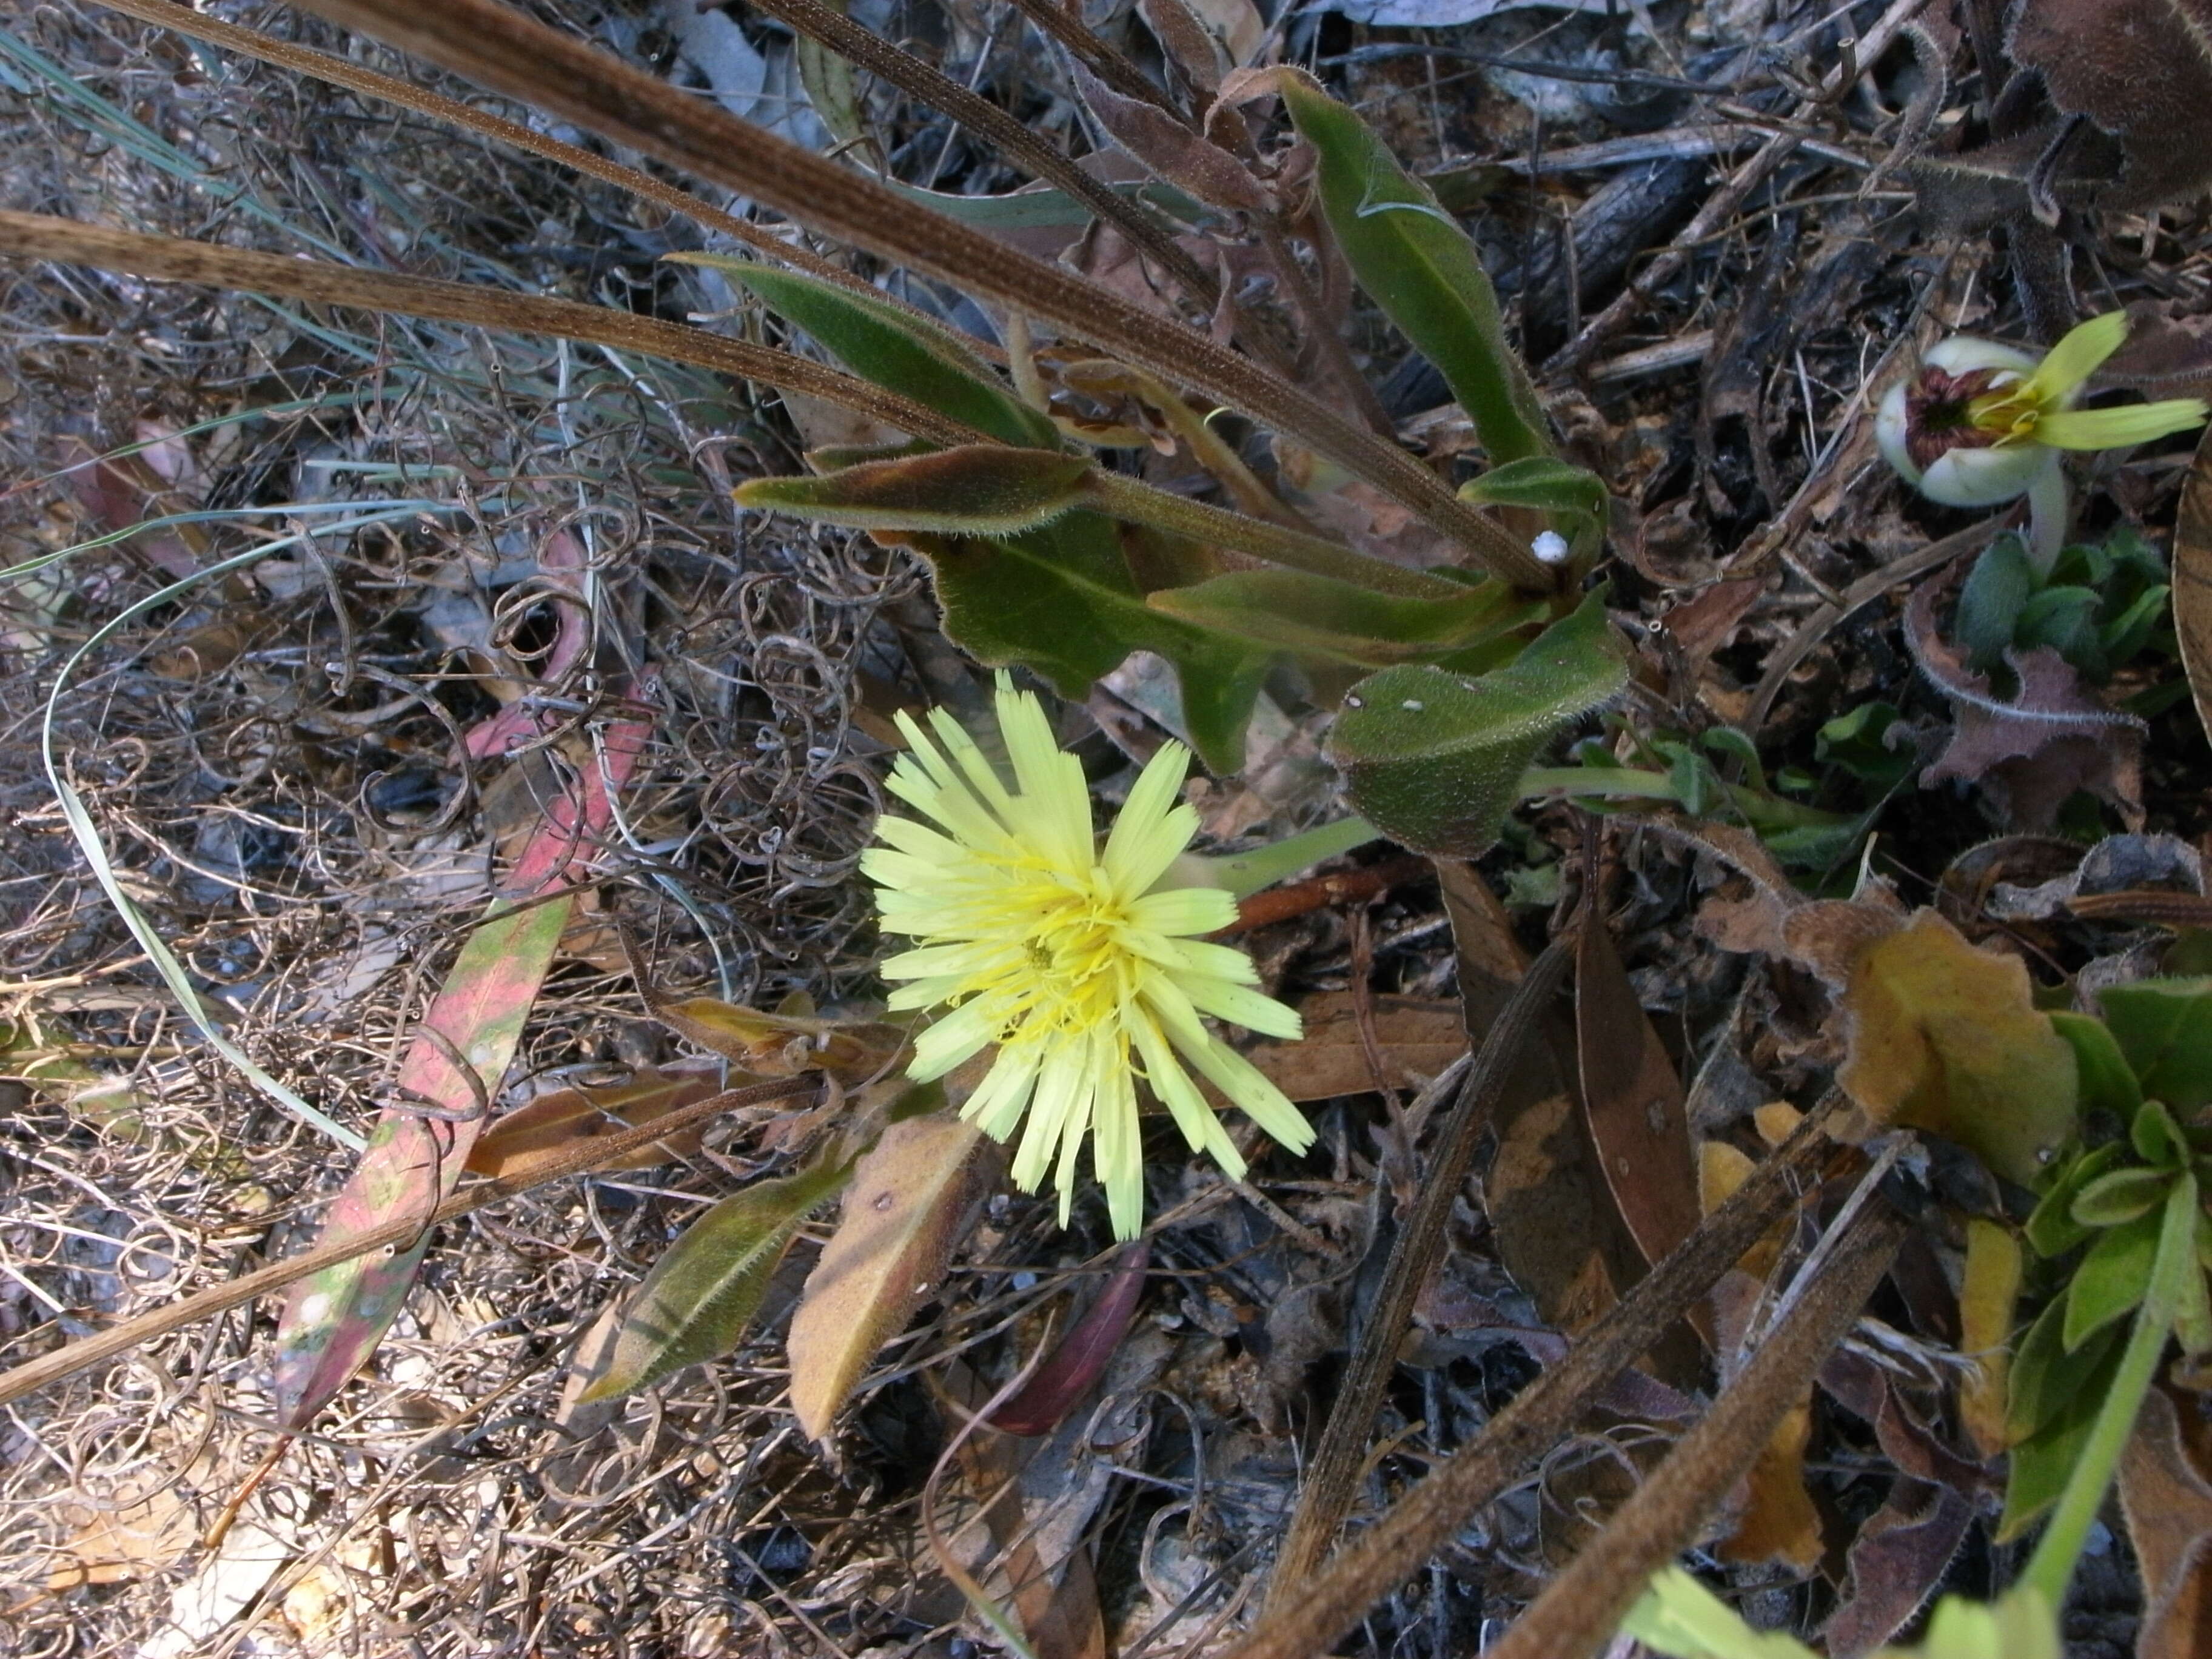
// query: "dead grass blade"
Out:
[2192,581]
[39,236]
[579,1158]
[338,72]
[500,48]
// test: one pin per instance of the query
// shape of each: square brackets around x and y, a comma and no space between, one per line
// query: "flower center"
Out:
[1944,412]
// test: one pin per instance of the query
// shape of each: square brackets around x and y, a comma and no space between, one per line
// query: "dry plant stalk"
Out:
[498,47]
[38,236]
[1578,1610]
[1332,1481]
[1313,1615]
[585,1156]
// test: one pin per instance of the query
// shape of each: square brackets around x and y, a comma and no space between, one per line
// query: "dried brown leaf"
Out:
[2037,749]
[1418,1037]
[2192,581]
[1633,1101]
[2142,71]
[902,1215]
[2166,1497]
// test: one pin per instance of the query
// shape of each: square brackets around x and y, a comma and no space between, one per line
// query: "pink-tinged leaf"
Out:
[1081,1360]
[335,1319]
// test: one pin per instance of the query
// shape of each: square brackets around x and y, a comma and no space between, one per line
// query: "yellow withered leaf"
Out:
[1946,1037]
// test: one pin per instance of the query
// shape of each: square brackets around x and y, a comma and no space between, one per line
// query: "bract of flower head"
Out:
[1981,423]
[1073,960]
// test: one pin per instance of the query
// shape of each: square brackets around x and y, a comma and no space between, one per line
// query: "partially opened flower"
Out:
[1073,960]
[1983,423]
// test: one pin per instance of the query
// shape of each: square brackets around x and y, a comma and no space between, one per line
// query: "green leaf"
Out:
[1995,591]
[1574,496]
[2048,1381]
[2120,1196]
[2192,1319]
[1319,617]
[1061,601]
[2108,1082]
[977,490]
[1854,741]
[2157,1138]
[1679,1617]
[2065,619]
[2164,1026]
[1416,262]
[2112,1279]
[2129,632]
[2041,1464]
[1435,760]
[700,1296]
[892,347]
[2052,1230]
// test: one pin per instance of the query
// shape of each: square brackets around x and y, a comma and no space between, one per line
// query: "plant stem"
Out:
[1626,781]
[1121,496]
[1246,873]
[2052,1566]
[2048,505]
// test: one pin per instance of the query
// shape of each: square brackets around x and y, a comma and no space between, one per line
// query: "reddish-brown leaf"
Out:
[538,1132]
[2142,71]
[1040,1404]
[1633,1101]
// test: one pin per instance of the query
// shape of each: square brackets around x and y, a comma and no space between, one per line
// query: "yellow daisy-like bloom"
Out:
[1073,959]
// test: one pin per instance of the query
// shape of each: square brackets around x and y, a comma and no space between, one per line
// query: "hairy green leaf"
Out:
[2108,1082]
[702,1294]
[1320,616]
[2052,1229]
[2047,1379]
[2120,1196]
[2164,1026]
[1574,496]
[1418,265]
[1061,601]
[977,490]
[2112,1279]
[893,348]
[1435,760]
[2001,583]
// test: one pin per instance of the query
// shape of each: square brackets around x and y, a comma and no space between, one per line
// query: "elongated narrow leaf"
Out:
[1435,760]
[1319,617]
[1061,601]
[2108,1082]
[1574,496]
[977,490]
[700,1296]
[902,1217]
[1418,264]
[881,343]
[336,1318]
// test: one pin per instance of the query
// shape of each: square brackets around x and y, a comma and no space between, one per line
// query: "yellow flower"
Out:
[1074,960]
[1981,423]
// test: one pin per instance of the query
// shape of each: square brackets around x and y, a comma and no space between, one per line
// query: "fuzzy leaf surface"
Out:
[1061,601]
[2164,1027]
[702,1293]
[1435,760]
[1320,616]
[895,348]
[903,1214]
[977,490]
[1416,262]
[1946,1038]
